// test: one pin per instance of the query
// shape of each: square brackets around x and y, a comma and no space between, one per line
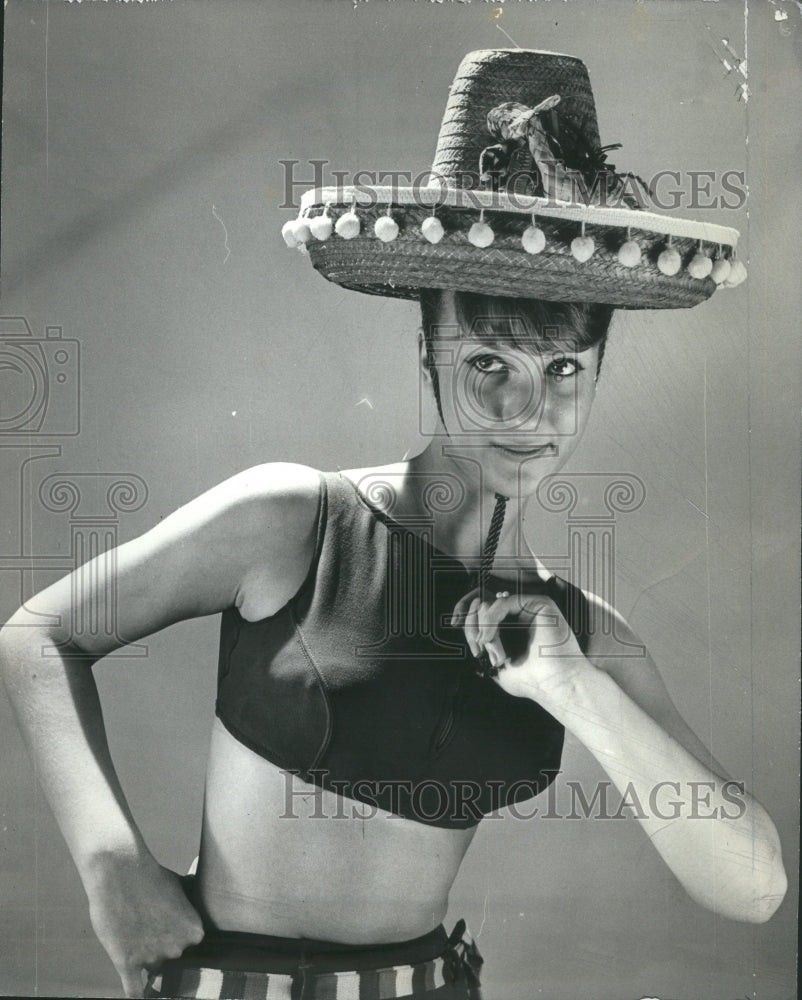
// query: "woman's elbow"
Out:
[744,879]
[767,902]
[764,881]
[759,896]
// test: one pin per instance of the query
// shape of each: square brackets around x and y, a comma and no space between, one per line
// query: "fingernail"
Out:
[494,658]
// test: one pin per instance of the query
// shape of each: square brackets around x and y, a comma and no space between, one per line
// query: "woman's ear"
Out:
[423,357]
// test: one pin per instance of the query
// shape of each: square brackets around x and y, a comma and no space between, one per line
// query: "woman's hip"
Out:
[241,966]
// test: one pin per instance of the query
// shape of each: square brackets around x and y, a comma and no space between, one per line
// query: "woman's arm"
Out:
[247,542]
[718,840]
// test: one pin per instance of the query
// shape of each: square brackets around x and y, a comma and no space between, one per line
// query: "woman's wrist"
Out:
[575,688]
[101,861]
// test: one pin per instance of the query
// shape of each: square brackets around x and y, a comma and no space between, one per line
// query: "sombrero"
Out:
[520,201]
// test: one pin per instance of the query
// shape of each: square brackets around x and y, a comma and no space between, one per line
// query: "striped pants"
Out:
[238,966]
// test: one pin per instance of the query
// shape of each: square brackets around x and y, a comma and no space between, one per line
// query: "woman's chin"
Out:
[513,468]
[518,469]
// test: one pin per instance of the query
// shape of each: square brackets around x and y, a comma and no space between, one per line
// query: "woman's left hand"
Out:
[543,658]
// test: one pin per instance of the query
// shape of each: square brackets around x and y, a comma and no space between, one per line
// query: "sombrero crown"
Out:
[491,78]
[521,202]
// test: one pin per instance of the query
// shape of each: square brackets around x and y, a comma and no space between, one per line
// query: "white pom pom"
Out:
[303,233]
[700,266]
[348,225]
[582,248]
[481,235]
[288,232]
[321,227]
[669,261]
[737,274]
[386,228]
[721,270]
[533,239]
[629,254]
[432,229]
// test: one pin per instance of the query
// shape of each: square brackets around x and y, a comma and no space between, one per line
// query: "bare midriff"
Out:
[282,857]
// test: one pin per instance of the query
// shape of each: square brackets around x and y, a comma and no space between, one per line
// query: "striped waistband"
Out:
[214,979]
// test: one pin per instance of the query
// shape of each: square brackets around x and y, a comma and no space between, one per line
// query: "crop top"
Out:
[362,686]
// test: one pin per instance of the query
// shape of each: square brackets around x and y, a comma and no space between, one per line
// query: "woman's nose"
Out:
[518,403]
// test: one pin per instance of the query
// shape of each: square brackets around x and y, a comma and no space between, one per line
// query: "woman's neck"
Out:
[442,494]
[444,485]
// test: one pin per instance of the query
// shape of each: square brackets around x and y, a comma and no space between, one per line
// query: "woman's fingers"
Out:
[141,916]
[480,619]
[537,614]
[496,652]
[471,626]
[481,623]
[461,608]
[492,614]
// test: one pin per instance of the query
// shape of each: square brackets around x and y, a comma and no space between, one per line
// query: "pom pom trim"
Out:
[669,262]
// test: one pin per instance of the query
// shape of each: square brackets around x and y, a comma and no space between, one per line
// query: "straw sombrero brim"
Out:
[407,263]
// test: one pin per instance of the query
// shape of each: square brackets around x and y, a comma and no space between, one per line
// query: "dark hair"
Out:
[529,324]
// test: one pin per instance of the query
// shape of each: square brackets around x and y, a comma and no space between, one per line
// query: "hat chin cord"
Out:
[484,667]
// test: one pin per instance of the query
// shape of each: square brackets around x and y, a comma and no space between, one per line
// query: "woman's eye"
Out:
[489,364]
[563,368]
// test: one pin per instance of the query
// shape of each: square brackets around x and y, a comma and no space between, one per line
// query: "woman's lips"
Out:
[539,451]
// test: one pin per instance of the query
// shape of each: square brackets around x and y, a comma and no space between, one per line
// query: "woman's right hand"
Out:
[141,916]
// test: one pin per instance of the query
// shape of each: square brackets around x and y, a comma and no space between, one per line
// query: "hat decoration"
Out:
[522,202]
[560,161]
[432,229]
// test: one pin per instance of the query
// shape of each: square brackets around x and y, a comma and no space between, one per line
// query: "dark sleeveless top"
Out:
[360,684]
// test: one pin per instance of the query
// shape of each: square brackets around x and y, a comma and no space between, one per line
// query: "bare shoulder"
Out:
[274,494]
[612,638]
[268,515]
[266,505]
[614,647]
[247,542]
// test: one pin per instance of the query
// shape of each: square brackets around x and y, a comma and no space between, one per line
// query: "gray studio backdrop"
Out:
[141,185]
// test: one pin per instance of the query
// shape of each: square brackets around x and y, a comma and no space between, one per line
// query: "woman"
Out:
[393,667]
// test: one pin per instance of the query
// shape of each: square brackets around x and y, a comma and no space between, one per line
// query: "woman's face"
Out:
[521,414]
